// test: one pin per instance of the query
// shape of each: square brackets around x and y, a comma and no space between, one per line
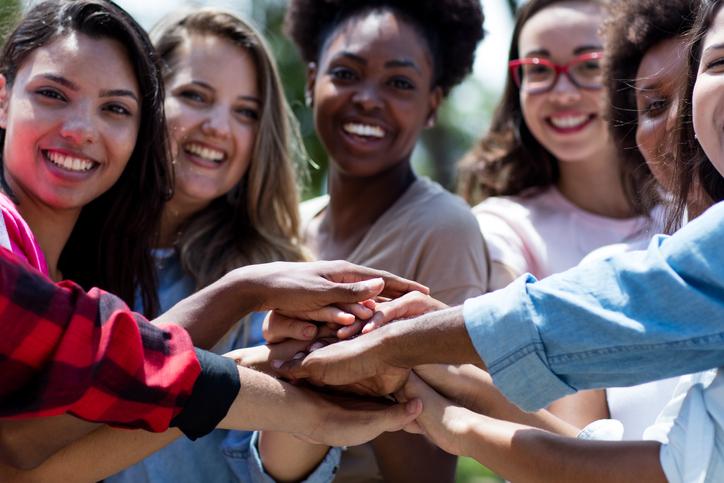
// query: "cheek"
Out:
[647,137]
[703,103]
[530,107]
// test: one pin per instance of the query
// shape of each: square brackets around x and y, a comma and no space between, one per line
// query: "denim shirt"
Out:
[221,456]
[632,318]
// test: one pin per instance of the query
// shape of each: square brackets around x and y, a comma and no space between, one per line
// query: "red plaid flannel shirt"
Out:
[64,350]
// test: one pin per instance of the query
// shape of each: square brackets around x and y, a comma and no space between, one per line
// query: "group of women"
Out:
[151,165]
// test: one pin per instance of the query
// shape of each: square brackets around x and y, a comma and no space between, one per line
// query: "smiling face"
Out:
[567,119]
[372,92]
[657,85]
[708,95]
[70,127]
[212,108]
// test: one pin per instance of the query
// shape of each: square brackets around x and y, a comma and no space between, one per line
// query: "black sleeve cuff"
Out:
[214,391]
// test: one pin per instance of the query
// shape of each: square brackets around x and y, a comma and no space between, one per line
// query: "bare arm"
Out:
[287,458]
[522,453]
[581,408]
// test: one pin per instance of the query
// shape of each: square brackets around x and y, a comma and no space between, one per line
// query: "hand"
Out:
[259,358]
[343,421]
[306,288]
[467,385]
[278,326]
[443,422]
[356,364]
[409,305]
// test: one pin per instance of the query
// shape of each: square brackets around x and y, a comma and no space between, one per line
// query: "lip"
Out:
[572,129]
[66,174]
[201,161]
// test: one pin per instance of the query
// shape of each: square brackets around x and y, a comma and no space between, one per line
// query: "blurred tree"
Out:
[10,10]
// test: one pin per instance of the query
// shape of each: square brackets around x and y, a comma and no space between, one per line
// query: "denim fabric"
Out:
[221,456]
[629,319]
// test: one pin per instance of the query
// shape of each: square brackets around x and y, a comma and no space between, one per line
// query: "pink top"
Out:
[22,241]
[545,233]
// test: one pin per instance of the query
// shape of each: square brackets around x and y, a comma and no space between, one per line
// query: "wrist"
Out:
[250,281]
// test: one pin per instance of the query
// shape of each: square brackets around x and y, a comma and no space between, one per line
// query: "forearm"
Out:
[521,453]
[98,455]
[287,458]
[207,314]
[438,337]
[27,443]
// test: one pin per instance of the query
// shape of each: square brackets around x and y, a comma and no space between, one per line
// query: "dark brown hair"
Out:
[509,160]
[692,169]
[109,245]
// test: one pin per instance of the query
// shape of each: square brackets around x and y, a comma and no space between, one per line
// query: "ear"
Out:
[311,80]
[435,100]
[4,94]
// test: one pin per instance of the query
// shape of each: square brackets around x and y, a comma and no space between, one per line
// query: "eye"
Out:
[655,106]
[192,95]
[117,109]
[248,113]
[342,74]
[50,94]
[717,63]
[402,84]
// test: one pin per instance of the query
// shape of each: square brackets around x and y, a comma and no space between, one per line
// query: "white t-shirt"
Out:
[545,233]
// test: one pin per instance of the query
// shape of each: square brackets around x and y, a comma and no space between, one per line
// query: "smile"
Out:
[364,130]
[205,152]
[70,163]
[570,123]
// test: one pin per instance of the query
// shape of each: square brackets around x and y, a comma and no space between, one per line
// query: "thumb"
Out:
[401,415]
[358,291]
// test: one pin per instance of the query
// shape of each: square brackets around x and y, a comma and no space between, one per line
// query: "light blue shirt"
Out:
[632,318]
[221,456]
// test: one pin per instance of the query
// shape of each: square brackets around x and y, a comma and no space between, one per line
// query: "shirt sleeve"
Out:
[64,350]
[629,319]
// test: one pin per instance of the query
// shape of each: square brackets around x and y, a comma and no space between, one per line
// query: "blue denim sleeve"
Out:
[633,318]
[243,457]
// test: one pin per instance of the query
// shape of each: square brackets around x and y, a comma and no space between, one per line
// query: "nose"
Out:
[367,97]
[564,90]
[80,126]
[217,124]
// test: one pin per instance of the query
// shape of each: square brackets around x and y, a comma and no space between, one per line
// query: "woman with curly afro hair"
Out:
[377,73]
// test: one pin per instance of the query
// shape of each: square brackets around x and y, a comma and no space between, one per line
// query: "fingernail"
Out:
[299,355]
[315,346]
[368,327]
[309,331]
[277,364]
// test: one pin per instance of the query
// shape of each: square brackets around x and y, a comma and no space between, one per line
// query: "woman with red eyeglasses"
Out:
[549,182]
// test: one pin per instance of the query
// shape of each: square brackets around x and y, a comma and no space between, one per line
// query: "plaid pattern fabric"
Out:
[64,350]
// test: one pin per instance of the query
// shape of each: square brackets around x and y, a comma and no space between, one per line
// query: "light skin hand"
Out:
[305,325]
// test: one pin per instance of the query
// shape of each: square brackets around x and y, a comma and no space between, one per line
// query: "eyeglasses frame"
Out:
[559,69]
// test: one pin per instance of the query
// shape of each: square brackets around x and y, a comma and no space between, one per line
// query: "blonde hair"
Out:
[257,221]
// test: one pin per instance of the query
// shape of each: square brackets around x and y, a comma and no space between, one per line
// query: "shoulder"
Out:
[434,209]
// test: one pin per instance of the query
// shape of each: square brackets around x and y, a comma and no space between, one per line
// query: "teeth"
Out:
[70,163]
[568,121]
[364,130]
[204,152]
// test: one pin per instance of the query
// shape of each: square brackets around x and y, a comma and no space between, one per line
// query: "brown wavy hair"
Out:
[509,160]
[692,169]
[257,221]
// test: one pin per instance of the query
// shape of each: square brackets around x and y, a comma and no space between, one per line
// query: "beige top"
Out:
[430,236]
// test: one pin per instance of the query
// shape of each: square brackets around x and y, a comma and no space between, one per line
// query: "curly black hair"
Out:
[630,30]
[452,28]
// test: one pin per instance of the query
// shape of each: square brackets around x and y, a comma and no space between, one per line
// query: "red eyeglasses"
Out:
[536,75]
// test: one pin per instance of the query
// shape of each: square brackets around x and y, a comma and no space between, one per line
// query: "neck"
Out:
[51,227]
[176,212]
[594,185]
[356,203]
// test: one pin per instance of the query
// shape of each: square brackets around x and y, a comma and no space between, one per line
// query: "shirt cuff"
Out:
[502,329]
[323,473]
[214,391]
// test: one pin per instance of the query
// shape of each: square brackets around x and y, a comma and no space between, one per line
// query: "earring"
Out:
[308,99]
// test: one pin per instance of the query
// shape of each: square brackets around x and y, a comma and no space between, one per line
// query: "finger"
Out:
[278,327]
[350,330]
[394,285]
[370,304]
[359,310]
[290,369]
[356,291]
[413,428]
[329,314]
[400,415]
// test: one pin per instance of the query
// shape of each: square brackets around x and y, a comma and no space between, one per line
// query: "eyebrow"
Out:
[119,93]
[241,98]
[351,56]
[715,47]
[62,81]
[577,51]
[402,63]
